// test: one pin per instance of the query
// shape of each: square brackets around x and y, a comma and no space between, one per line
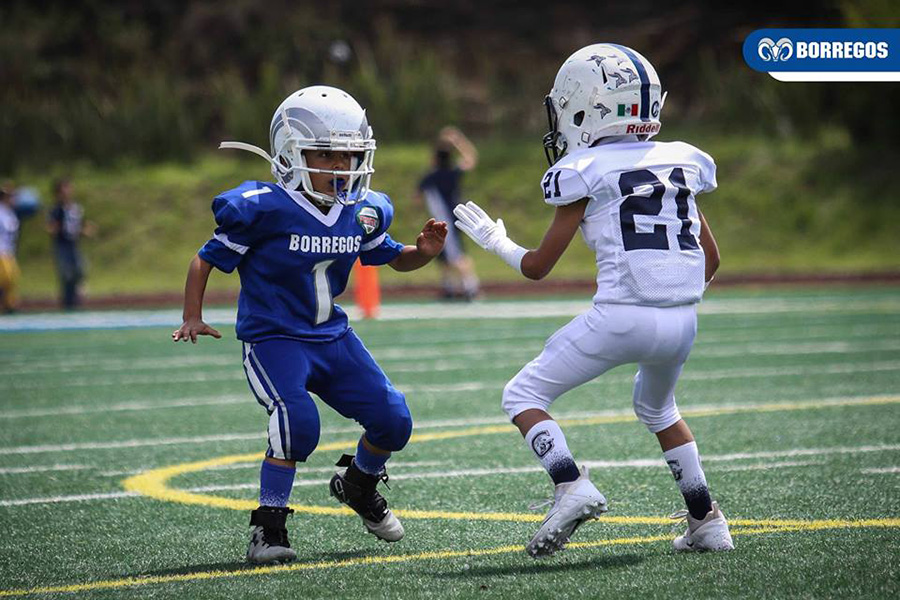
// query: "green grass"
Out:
[796,205]
[812,376]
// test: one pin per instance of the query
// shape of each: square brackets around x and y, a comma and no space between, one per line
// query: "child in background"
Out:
[439,190]
[9,268]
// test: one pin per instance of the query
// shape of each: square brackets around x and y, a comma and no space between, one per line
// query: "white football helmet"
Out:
[319,118]
[602,90]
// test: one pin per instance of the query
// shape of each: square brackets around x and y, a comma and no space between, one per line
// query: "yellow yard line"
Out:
[155,482]
[131,582]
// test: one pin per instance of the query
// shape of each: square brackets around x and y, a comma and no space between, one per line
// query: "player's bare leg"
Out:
[356,485]
[707,527]
[465,273]
[576,499]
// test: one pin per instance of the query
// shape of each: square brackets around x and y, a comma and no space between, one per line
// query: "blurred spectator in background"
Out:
[9,269]
[66,225]
[440,191]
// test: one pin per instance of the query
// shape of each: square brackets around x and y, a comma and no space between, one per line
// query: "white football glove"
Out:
[489,234]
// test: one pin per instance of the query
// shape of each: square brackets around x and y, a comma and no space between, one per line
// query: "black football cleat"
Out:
[269,540]
[357,490]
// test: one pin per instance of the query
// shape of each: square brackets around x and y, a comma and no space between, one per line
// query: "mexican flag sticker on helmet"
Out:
[367,217]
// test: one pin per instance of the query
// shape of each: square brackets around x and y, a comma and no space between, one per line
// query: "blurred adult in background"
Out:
[9,269]
[66,225]
[440,191]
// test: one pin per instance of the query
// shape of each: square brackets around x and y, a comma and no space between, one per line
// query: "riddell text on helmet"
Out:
[643,128]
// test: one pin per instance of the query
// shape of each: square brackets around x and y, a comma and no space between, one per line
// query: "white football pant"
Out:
[658,339]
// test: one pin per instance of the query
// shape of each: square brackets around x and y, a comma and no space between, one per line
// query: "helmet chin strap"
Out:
[249,148]
[255,150]
[336,199]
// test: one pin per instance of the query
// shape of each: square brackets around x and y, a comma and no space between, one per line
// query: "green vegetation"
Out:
[793,398]
[795,205]
[161,81]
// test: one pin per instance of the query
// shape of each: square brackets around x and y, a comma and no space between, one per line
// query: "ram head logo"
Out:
[778,51]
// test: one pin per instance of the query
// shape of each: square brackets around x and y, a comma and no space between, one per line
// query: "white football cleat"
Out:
[710,533]
[574,503]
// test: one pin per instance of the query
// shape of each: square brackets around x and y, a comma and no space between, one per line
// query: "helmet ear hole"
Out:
[578,119]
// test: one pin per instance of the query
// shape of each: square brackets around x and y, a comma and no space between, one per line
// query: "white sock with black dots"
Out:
[549,445]
[684,462]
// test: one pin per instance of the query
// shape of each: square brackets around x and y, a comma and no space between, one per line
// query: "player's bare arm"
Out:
[429,244]
[537,264]
[194,288]
[533,264]
[468,154]
[710,248]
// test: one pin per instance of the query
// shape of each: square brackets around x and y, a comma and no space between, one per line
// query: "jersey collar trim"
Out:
[328,219]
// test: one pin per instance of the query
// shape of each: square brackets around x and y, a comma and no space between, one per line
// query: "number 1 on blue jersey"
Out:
[324,301]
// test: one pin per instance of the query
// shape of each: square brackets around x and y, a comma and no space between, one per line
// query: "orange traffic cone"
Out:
[366,291]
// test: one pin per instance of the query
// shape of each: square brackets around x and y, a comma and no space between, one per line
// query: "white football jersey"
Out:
[642,220]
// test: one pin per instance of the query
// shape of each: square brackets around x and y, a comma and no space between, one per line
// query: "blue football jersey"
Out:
[294,260]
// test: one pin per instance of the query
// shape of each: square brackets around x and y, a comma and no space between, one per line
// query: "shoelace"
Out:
[540,505]
[680,517]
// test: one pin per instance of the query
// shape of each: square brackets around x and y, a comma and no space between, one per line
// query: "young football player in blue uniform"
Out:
[294,243]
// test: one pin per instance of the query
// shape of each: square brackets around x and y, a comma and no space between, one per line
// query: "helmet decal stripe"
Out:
[645,80]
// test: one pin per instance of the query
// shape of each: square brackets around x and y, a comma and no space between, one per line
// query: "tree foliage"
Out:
[105,81]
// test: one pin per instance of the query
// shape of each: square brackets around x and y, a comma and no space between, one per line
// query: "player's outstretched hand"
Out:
[192,328]
[476,224]
[431,241]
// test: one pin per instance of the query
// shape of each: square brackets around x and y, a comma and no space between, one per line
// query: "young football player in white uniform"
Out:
[634,201]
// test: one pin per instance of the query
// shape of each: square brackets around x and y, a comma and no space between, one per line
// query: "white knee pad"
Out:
[657,418]
[520,395]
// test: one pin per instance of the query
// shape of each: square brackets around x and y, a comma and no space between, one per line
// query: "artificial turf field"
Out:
[128,464]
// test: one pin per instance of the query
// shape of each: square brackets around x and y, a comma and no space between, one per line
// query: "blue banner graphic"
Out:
[856,54]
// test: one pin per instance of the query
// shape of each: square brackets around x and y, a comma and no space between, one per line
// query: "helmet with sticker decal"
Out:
[601,90]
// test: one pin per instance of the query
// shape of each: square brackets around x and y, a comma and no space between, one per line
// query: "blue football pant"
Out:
[282,373]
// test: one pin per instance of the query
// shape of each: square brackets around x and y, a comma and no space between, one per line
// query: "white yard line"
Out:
[435,311]
[654,462]
[134,443]
[74,498]
[41,469]
[436,359]
[767,466]
[882,470]
[429,424]
[205,377]
[255,465]
[123,407]
[802,452]
[814,337]
[640,463]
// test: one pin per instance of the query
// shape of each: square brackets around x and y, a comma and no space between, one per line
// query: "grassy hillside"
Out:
[782,206]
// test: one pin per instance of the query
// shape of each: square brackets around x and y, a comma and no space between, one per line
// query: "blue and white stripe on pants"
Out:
[279,424]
